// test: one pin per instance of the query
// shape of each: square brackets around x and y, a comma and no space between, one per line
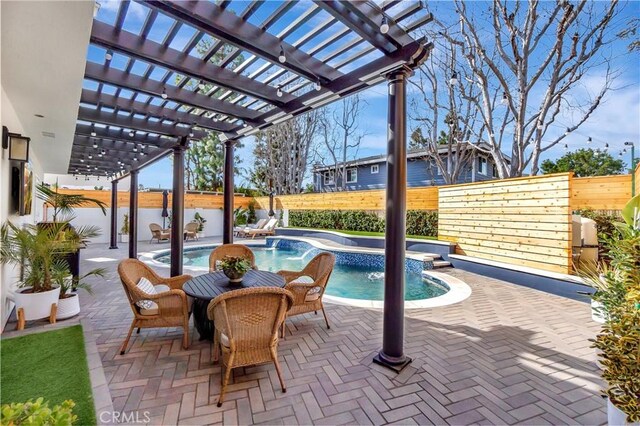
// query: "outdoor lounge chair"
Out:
[269,229]
[169,308]
[246,325]
[239,231]
[191,230]
[307,297]
[158,233]
[236,250]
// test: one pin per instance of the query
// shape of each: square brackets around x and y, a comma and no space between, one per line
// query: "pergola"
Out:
[264,63]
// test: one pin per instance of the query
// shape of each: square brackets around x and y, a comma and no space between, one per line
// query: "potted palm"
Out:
[234,267]
[617,285]
[69,302]
[63,205]
[39,251]
[124,229]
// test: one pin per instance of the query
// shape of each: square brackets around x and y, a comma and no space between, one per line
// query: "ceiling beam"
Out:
[364,19]
[135,107]
[129,122]
[181,62]
[122,135]
[154,88]
[227,26]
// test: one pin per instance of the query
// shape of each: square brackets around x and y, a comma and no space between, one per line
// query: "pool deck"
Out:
[507,354]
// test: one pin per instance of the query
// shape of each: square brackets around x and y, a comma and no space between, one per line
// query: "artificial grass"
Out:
[52,365]
[367,233]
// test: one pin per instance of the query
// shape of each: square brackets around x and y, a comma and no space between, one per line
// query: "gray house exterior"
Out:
[371,172]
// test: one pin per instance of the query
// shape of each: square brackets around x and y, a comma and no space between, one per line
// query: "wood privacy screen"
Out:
[524,221]
[423,198]
[601,192]
[150,200]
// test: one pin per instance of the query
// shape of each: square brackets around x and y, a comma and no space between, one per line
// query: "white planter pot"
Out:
[596,313]
[124,238]
[68,307]
[200,234]
[35,305]
[616,417]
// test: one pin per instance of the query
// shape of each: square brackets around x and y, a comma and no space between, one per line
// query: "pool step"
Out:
[434,261]
[441,264]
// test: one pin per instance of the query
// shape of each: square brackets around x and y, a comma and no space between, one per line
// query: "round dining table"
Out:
[206,287]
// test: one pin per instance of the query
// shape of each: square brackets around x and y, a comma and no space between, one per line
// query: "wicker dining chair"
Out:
[235,250]
[158,233]
[247,324]
[308,296]
[191,230]
[171,307]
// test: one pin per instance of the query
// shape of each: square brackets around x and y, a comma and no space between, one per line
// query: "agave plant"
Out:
[63,204]
[39,250]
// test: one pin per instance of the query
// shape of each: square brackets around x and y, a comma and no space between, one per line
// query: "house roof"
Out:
[412,154]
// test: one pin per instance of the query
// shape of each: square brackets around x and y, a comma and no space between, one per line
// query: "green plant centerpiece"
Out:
[197,218]
[617,284]
[234,267]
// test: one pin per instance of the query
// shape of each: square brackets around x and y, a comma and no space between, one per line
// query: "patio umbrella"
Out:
[165,204]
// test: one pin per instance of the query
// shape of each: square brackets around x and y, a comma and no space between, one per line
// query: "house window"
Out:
[482,166]
[375,169]
[352,175]
[328,177]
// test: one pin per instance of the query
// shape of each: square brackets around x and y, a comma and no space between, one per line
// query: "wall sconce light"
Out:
[17,144]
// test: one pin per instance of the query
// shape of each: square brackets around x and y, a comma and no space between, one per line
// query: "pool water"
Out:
[350,281]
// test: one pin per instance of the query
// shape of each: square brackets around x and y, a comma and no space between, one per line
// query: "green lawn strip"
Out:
[366,233]
[52,365]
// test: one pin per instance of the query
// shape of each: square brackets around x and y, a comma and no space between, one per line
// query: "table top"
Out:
[208,286]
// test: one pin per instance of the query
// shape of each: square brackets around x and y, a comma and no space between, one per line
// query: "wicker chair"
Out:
[191,230]
[246,323]
[236,250]
[172,306]
[158,233]
[308,296]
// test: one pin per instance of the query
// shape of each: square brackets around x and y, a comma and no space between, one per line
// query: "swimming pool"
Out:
[356,275]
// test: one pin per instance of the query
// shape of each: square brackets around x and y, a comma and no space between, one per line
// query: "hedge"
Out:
[419,222]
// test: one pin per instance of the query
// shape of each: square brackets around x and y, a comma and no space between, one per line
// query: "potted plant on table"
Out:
[197,218]
[41,251]
[124,229]
[234,267]
[618,293]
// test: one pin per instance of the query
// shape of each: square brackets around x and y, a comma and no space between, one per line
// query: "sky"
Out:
[617,119]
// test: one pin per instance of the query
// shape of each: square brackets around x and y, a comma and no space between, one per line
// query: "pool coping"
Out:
[458,289]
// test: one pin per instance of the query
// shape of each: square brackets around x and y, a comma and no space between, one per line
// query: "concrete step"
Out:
[441,264]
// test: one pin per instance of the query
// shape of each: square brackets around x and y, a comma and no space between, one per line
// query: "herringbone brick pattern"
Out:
[506,355]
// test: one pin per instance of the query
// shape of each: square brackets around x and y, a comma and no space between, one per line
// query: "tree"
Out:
[584,162]
[281,154]
[341,136]
[528,62]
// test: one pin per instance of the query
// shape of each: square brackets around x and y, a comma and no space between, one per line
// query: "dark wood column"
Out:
[392,354]
[227,221]
[114,215]
[133,215]
[177,211]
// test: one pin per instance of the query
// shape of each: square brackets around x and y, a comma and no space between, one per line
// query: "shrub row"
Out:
[419,222]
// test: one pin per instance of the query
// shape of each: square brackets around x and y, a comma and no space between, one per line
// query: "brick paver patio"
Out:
[508,354]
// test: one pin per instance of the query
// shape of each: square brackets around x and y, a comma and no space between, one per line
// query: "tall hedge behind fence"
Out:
[419,222]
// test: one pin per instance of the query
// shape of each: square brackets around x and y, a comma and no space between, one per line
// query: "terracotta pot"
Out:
[35,305]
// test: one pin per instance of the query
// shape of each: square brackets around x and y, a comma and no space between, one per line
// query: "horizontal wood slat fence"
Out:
[525,221]
[150,200]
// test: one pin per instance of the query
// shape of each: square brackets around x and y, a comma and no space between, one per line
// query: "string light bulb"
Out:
[279,92]
[606,146]
[108,55]
[201,85]
[164,93]
[384,25]
[281,57]
[589,140]
[505,100]
[95,145]
[317,85]
[454,79]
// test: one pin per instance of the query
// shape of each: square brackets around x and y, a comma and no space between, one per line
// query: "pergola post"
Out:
[133,215]
[114,215]
[228,190]
[392,354]
[177,210]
